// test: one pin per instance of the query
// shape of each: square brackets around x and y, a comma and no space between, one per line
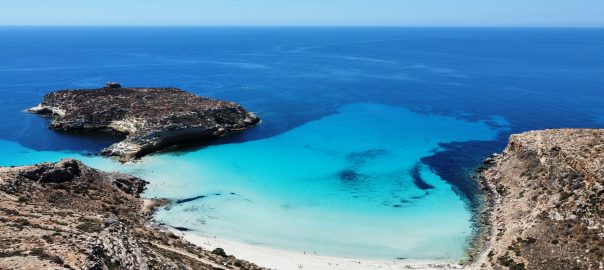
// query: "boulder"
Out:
[113,85]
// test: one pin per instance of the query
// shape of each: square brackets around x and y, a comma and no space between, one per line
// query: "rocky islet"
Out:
[150,118]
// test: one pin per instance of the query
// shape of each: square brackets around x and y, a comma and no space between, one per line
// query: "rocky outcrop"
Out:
[151,118]
[60,172]
[547,201]
[66,215]
[113,85]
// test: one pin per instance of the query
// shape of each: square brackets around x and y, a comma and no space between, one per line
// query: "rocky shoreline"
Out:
[150,118]
[542,207]
[66,215]
[544,202]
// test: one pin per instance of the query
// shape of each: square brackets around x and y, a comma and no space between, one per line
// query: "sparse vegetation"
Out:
[547,193]
[45,225]
[90,227]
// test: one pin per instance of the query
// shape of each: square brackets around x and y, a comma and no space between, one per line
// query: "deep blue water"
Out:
[353,118]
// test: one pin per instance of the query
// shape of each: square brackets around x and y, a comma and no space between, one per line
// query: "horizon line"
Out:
[303,26]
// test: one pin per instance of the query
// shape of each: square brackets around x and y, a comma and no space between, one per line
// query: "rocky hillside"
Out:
[151,118]
[547,191]
[66,215]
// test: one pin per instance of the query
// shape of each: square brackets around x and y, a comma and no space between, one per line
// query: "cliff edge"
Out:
[547,201]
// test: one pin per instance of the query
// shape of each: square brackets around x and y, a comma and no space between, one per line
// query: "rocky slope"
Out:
[66,215]
[151,118]
[547,201]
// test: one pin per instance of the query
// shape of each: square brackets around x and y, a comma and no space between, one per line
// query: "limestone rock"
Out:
[113,85]
[67,215]
[150,118]
[547,195]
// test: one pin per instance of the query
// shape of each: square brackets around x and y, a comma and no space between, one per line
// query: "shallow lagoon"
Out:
[349,184]
[347,115]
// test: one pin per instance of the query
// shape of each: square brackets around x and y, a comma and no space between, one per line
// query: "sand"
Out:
[290,260]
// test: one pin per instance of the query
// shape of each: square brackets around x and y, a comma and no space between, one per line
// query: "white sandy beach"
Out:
[291,260]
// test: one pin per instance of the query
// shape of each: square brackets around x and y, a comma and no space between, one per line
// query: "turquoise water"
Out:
[368,138]
[342,185]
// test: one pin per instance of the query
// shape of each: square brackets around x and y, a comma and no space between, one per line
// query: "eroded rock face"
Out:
[151,118]
[548,201]
[60,172]
[66,215]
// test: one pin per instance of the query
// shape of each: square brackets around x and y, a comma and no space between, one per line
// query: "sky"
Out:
[531,13]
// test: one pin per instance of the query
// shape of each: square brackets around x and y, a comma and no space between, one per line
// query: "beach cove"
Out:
[315,186]
[366,140]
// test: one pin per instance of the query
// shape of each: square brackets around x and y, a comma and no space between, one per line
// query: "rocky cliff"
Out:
[66,215]
[547,201]
[151,118]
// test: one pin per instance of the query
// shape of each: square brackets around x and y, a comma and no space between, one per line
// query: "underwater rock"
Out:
[151,118]
[349,175]
[182,229]
[418,181]
[181,201]
[360,158]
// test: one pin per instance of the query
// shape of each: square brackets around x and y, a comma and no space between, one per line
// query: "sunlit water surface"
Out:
[368,134]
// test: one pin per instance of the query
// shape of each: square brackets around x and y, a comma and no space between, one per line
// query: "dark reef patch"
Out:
[360,158]
[356,160]
[182,229]
[200,197]
[420,196]
[191,199]
[457,162]
[417,178]
[349,175]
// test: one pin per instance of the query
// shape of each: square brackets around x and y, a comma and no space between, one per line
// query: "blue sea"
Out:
[368,139]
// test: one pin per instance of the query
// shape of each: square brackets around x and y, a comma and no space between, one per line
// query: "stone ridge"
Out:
[547,201]
[151,118]
[66,215]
